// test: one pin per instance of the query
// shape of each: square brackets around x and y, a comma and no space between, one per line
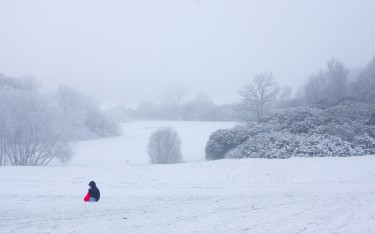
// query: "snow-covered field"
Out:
[131,146]
[298,195]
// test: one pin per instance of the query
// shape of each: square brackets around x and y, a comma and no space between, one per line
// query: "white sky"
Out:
[129,51]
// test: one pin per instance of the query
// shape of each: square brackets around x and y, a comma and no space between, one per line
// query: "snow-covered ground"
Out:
[131,146]
[297,195]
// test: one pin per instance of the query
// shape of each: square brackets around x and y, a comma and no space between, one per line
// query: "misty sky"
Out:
[129,51]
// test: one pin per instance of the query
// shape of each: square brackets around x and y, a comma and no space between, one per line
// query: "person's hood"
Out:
[92,184]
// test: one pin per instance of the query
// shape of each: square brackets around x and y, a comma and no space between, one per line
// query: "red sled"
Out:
[87,197]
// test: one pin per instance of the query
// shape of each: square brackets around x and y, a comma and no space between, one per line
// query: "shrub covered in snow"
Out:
[164,147]
[223,140]
[342,130]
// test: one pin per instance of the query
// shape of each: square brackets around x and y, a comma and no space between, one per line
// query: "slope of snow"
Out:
[298,195]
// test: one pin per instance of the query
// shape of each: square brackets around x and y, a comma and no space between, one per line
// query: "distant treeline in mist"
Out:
[336,83]
[199,109]
[327,87]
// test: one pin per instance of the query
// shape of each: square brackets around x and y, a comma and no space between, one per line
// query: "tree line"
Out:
[175,106]
[327,87]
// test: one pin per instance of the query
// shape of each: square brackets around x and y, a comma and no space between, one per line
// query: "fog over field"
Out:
[130,51]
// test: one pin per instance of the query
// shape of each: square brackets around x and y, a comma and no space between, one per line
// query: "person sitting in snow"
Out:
[93,195]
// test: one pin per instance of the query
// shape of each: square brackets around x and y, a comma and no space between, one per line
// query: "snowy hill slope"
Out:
[298,195]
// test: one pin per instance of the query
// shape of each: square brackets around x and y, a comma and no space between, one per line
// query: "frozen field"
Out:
[131,146]
[298,195]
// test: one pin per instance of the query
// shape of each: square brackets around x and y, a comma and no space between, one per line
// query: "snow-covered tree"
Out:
[328,86]
[285,93]
[32,128]
[364,88]
[337,81]
[314,89]
[259,95]
[164,147]
[85,115]
[25,83]
[174,95]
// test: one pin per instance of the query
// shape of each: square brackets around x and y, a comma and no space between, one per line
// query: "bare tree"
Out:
[329,86]
[3,156]
[314,90]
[259,95]
[364,88]
[286,98]
[337,81]
[85,115]
[286,93]
[164,147]
[174,95]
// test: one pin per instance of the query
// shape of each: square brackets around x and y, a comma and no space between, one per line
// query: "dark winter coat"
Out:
[94,191]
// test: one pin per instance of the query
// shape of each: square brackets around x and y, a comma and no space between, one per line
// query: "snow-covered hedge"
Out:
[343,130]
[223,140]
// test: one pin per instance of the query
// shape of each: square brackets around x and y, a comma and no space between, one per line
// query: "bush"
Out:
[164,147]
[342,130]
[264,145]
[223,140]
